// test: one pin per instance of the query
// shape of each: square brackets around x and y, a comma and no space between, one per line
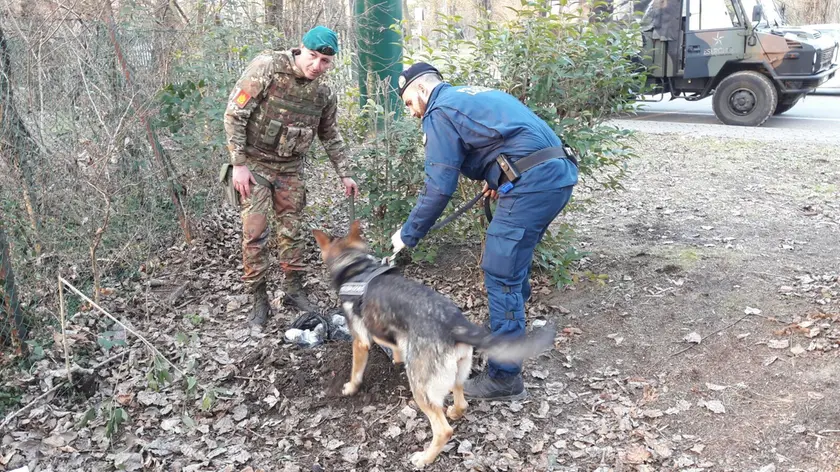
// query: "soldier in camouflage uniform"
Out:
[274,112]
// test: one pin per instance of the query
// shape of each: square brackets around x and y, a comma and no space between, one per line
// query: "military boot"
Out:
[261,308]
[295,293]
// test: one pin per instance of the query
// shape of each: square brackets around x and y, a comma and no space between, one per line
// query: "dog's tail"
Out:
[506,348]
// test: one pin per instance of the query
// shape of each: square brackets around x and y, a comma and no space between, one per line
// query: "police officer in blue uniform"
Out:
[489,135]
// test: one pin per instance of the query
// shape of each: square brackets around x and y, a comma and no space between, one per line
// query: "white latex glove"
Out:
[397,241]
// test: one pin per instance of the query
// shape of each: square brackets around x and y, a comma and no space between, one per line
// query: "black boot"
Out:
[261,308]
[484,387]
[295,293]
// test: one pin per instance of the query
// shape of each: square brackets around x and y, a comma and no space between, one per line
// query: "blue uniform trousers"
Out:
[519,223]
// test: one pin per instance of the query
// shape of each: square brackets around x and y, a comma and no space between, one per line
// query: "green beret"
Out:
[321,39]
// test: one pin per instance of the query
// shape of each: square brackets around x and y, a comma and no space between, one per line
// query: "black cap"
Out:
[412,73]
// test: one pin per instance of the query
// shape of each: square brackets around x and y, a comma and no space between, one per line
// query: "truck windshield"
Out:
[771,15]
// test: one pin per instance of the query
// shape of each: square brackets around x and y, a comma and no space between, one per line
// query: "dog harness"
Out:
[354,288]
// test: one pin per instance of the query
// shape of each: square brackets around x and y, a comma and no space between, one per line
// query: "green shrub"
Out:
[192,104]
[572,71]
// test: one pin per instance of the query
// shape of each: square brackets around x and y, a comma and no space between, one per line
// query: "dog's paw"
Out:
[453,413]
[349,389]
[420,460]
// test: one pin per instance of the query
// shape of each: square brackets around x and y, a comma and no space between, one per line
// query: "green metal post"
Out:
[380,50]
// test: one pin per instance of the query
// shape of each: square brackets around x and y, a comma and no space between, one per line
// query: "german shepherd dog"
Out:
[424,329]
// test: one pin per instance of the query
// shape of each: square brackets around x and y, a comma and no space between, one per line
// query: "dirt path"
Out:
[730,243]
[701,233]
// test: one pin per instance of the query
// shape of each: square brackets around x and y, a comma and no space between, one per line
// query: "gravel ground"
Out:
[763,134]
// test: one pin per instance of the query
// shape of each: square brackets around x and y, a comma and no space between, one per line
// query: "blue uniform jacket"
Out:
[466,128]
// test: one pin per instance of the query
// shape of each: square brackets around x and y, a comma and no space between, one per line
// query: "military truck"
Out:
[738,51]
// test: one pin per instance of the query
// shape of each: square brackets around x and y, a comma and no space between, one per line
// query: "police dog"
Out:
[424,329]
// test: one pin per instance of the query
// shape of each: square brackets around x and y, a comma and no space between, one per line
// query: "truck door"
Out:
[716,34]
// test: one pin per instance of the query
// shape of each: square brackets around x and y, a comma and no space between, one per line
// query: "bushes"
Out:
[572,72]
[570,69]
[192,104]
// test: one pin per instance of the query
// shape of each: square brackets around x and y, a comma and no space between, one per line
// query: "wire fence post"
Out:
[13,330]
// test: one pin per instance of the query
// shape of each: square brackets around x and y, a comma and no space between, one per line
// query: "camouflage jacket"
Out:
[274,113]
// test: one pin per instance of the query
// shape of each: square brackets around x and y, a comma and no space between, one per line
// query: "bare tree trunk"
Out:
[157,149]
[184,18]
[349,8]
[13,329]
[829,11]
[18,144]
[200,11]
[97,238]
[269,12]
[281,10]
[273,12]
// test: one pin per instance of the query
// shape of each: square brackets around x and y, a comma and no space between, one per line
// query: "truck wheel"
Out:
[745,98]
[786,102]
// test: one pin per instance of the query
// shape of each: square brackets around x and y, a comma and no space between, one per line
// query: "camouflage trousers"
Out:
[286,205]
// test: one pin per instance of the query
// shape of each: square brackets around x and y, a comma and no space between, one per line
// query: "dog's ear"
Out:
[322,238]
[355,231]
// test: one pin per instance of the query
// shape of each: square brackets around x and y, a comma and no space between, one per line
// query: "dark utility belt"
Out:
[511,171]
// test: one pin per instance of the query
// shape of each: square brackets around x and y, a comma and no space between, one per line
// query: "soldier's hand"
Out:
[490,193]
[350,186]
[242,180]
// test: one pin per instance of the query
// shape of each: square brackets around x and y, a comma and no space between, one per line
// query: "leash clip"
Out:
[389,260]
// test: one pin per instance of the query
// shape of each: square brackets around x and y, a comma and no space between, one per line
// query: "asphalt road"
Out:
[814,112]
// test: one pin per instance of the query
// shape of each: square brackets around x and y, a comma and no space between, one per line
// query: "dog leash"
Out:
[457,213]
[389,260]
